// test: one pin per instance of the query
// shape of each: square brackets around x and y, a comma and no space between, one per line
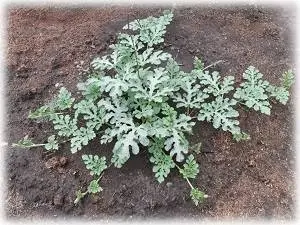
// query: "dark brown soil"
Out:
[248,179]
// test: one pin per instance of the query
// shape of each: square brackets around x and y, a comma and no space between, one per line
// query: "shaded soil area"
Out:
[49,47]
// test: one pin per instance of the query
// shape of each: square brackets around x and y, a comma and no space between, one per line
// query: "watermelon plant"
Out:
[139,96]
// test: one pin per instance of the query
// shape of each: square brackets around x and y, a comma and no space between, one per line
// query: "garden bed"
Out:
[50,47]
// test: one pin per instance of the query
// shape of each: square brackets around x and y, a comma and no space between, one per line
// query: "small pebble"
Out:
[58,84]
[169,184]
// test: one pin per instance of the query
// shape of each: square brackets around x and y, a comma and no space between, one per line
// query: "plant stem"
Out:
[136,56]
[37,145]
[135,50]
[100,177]
[241,103]
[213,64]
[187,179]
[101,132]
[43,115]
[64,141]
[191,112]
[86,192]
[188,111]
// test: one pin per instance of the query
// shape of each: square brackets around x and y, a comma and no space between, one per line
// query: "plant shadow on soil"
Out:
[248,179]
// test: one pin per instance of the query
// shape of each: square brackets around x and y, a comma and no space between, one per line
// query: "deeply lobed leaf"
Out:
[163,163]
[95,164]
[253,91]
[190,168]
[63,100]
[221,113]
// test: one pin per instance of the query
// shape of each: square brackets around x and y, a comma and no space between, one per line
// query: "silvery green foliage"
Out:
[287,79]
[176,142]
[190,168]
[91,88]
[130,140]
[242,136]
[52,143]
[81,137]
[63,100]
[197,196]
[190,97]
[94,187]
[136,97]
[213,85]
[221,113]
[198,64]
[25,142]
[42,112]
[94,163]
[155,86]
[64,124]
[163,163]
[281,94]
[151,29]
[90,112]
[196,148]
[255,92]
